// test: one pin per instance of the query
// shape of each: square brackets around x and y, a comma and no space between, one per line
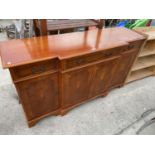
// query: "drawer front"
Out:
[34,69]
[86,59]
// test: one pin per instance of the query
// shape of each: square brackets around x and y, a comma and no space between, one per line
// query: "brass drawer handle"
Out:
[130,47]
[36,70]
[108,54]
[79,61]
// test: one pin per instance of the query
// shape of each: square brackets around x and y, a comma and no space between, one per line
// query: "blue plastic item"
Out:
[122,23]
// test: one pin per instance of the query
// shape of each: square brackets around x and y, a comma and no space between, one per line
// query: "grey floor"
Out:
[124,111]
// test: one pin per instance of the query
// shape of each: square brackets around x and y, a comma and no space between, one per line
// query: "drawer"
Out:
[34,69]
[89,58]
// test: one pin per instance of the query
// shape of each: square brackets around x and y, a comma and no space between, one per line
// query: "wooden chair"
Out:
[46,27]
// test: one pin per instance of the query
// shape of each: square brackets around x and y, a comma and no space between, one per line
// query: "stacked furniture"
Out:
[53,74]
[45,27]
[144,65]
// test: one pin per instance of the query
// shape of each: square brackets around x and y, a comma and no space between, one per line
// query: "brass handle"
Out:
[108,54]
[130,47]
[79,61]
[36,70]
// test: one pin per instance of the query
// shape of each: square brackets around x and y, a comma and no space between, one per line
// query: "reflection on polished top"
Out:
[23,51]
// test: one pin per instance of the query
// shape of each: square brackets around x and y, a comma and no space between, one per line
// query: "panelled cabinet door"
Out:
[102,76]
[123,68]
[39,95]
[76,86]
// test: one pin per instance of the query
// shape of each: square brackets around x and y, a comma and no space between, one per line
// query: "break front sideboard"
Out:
[53,74]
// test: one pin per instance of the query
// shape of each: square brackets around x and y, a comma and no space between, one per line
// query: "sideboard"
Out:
[53,74]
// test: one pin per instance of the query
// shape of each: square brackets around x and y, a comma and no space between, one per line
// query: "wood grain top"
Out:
[24,51]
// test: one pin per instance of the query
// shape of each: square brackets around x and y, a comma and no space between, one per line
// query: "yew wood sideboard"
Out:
[53,74]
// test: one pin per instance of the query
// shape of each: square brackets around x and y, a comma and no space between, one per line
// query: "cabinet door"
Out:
[102,76]
[39,96]
[123,68]
[76,86]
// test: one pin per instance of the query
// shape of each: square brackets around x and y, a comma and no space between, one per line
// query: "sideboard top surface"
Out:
[24,51]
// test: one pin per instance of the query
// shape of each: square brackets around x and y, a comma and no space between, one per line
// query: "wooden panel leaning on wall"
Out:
[46,27]
[54,74]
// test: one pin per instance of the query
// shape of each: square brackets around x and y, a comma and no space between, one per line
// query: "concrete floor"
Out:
[124,111]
